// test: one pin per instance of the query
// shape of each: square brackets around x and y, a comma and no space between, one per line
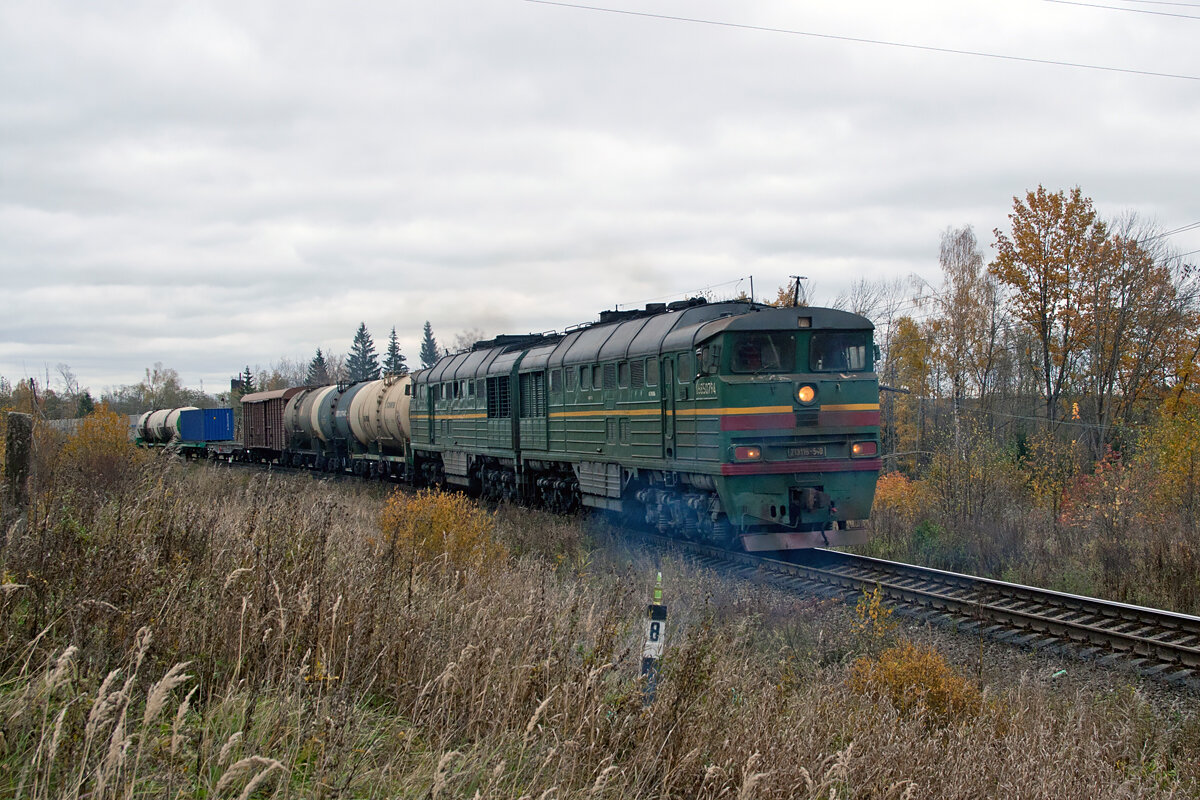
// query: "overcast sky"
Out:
[210,185]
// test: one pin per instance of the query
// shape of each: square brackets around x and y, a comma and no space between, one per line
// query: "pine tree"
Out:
[362,363]
[429,347]
[85,405]
[393,362]
[247,380]
[318,370]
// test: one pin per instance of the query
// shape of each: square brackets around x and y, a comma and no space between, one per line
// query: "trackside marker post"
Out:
[652,649]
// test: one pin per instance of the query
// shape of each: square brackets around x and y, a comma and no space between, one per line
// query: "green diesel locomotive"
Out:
[741,424]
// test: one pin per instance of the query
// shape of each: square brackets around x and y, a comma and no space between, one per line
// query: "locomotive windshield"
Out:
[843,351]
[763,352]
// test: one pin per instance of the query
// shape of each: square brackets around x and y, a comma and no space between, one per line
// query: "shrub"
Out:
[898,494]
[99,454]
[915,679]
[873,623]
[420,527]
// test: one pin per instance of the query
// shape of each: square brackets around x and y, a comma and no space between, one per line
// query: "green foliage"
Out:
[318,371]
[393,362]
[362,363]
[429,347]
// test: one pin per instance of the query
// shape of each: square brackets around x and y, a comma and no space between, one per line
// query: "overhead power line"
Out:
[1126,10]
[1181,229]
[1162,3]
[861,40]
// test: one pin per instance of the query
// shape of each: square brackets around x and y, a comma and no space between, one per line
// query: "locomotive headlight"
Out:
[806,393]
[747,453]
[864,449]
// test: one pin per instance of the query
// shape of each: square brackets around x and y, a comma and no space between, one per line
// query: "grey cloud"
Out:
[210,186]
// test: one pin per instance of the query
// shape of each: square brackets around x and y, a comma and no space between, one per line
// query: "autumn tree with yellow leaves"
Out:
[1055,248]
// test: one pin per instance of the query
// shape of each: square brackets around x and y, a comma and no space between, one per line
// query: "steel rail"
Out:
[1153,641]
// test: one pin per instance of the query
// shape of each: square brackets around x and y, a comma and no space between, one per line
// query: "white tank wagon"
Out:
[358,415]
[162,426]
[379,414]
[140,427]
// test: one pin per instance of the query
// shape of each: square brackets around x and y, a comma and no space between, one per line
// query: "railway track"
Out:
[1153,642]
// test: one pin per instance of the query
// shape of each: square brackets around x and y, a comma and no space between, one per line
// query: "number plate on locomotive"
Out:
[817,451]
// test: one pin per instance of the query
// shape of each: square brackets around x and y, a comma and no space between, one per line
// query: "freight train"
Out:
[745,425]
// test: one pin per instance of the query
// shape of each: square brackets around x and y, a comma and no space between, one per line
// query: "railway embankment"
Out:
[183,630]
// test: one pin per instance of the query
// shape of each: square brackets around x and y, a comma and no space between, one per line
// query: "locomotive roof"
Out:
[643,335]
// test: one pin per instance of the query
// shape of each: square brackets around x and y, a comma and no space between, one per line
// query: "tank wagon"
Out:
[732,422]
[194,431]
[749,426]
[361,427]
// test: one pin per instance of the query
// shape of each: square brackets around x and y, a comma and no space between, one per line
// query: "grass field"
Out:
[173,631]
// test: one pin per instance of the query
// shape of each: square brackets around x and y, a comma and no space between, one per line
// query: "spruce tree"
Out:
[318,370]
[362,363]
[85,405]
[247,380]
[429,347]
[393,362]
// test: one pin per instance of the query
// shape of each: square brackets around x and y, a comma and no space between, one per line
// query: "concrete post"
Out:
[18,453]
[652,647]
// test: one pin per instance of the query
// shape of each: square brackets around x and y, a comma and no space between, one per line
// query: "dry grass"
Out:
[206,632]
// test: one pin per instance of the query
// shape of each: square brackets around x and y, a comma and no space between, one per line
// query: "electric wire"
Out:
[1162,3]
[1181,229]
[863,40]
[1126,10]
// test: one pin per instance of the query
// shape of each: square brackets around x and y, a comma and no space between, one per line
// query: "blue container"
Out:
[206,425]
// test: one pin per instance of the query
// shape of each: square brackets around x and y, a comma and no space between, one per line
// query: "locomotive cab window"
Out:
[708,359]
[843,351]
[762,352]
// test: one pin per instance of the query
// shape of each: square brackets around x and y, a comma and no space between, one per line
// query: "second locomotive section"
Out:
[726,421]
